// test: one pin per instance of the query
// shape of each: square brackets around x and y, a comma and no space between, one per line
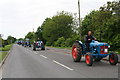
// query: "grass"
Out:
[62,47]
[118,52]
[4,51]
[2,55]
[6,48]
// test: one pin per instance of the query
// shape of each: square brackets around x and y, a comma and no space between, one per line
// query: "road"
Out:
[52,63]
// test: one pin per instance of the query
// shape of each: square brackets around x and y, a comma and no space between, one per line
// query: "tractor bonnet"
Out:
[96,43]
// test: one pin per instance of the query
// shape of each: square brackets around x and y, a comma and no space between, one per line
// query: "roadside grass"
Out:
[118,52]
[61,47]
[2,55]
[4,51]
[6,48]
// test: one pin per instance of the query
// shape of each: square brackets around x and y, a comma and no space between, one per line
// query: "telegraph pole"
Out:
[33,34]
[79,17]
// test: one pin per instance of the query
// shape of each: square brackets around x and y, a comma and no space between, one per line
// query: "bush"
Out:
[69,42]
[60,42]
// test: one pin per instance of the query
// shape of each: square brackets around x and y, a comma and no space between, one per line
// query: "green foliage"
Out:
[69,42]
[57,26]
[105,21]
[30,36]
[60,42]
[2,55]
[61,30]
[1,41]
[38,34]
[6,48]
[11,39]
[20,39]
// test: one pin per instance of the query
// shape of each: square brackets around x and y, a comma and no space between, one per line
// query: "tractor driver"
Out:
[88,39]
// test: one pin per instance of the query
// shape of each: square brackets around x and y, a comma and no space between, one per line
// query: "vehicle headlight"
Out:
[109,46]
[106,50]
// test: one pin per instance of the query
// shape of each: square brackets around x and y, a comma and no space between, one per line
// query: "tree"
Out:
[31,36]
[38,34]
[11,39]
[58,26]
[105,23]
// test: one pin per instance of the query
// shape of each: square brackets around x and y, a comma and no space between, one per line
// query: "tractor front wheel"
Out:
[113,59]
[89,59]
[76,52]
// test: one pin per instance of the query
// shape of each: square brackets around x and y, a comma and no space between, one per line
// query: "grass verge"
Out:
[61,47]
[2,55]
[6,48]
[4,51]
[118,52]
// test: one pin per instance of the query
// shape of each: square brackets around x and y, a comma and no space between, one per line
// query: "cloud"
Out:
[18,17]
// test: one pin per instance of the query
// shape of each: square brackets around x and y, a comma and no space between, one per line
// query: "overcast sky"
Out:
[18,17]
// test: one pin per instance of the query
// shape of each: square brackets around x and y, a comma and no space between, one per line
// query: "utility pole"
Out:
[33,35]
[33,30]
[79,17]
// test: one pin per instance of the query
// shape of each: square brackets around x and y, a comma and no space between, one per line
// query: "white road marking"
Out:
[43,56]
[62,65]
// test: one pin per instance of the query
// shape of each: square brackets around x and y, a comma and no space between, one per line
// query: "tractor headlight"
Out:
[106,50]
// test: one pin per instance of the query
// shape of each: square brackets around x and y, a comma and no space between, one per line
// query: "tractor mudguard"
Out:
[80,42]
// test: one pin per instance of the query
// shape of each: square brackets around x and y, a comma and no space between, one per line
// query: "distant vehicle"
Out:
[27,44]
[20,42]
[23,43]
[97,51]
[38,44]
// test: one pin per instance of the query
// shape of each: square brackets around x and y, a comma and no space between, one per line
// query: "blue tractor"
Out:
[27,43]
[38,44]
[98,51]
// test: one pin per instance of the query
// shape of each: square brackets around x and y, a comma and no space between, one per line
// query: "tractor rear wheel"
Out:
[76,52]
[89,59]
[113,59]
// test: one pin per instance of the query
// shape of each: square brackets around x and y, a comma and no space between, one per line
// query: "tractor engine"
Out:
[98,47]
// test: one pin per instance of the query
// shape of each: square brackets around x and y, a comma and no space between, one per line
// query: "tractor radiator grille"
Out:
[104,49]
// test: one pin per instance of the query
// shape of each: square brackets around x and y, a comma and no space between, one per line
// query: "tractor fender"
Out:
[80,42]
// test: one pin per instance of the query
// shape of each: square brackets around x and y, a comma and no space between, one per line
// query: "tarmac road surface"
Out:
[52,63]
